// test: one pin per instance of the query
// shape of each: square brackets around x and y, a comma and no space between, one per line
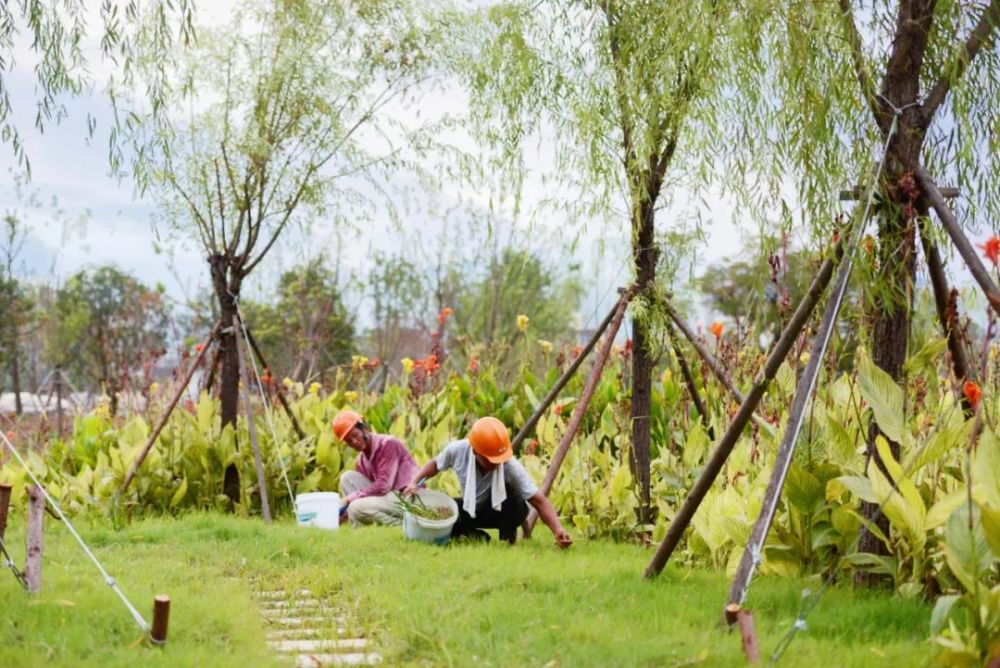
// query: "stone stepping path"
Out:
[310,631]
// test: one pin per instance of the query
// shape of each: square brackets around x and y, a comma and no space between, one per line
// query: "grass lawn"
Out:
[460,605]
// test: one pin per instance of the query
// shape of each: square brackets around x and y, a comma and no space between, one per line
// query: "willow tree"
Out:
[621,87]
[826,86]
[286,123]
[133,35]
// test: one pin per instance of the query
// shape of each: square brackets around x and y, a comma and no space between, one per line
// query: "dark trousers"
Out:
[512,513]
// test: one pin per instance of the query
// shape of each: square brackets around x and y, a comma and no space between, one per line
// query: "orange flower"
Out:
[972,392]
[198,347]
[444,315]
[991,249]
[716,329]
[557,409]
[11,435]
[473,365]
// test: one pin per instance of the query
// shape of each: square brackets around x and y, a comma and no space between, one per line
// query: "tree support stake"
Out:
[626,297]
[714,465]
[166,415]
[581,407]
[33,556]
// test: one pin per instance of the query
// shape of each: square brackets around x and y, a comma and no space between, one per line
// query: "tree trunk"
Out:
[227,290]
[645,255]
[892,302]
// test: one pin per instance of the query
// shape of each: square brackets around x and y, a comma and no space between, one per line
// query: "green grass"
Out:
[529,604]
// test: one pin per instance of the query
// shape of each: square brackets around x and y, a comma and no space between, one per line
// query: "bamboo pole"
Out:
[579,410]
[161,620]
[626,297]
[965,249]
[736,427]
[281,395]
[33,557]
[4,508]
[265,504]
[166,415]
[783,461]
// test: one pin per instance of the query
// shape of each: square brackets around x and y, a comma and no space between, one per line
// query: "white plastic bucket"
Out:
[318,509]
[437,532]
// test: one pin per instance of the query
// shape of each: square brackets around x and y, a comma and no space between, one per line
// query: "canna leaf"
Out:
[884,397]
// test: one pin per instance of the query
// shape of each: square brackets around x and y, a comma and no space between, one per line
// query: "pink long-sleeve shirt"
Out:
[388,464]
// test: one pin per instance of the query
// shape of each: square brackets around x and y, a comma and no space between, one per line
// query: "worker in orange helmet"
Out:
[496,489]
[384,466]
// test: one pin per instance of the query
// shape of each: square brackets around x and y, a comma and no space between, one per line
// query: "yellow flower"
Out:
[804,358]
[154,388]
[546,346]
[287,382]
[522,322]
[314,388]
[359,361]
[351,396]
[407,364]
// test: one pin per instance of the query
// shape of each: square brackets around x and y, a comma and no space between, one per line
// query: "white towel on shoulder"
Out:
[498,488]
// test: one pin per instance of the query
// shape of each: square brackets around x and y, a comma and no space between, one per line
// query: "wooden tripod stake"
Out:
[580,409]
[728,441]
[568,373]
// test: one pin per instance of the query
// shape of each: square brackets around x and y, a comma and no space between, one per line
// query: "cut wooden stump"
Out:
[4,507]
[161,619]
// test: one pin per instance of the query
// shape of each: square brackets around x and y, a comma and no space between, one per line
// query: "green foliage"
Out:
[109,326]
[307,329]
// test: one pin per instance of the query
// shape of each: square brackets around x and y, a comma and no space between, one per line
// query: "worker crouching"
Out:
[496,488]
[384,466]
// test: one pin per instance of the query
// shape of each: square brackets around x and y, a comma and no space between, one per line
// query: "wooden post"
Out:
[58,381]
[690,382]
[965,249]
[33,558]
[947,309]
[529,426]
[783,460]
[265,505]
[579,410]
[710,360]
[4,508]
[748,634]
[166,415]
[281,396]
[161,619]
[736,427]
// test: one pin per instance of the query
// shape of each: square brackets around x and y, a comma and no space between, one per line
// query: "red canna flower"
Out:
[473,365]
[716,329]
[972,392]
[991,249]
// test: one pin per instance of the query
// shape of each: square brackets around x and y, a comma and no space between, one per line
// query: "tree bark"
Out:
[226,283]
[892,303]
[645,255]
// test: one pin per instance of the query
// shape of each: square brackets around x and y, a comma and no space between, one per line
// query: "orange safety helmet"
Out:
[489,438]
[345,421]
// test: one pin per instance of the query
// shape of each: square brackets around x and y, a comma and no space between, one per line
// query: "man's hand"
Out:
[563,539]
[410,490]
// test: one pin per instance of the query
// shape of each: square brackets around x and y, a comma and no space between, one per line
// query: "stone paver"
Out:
[311,631]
